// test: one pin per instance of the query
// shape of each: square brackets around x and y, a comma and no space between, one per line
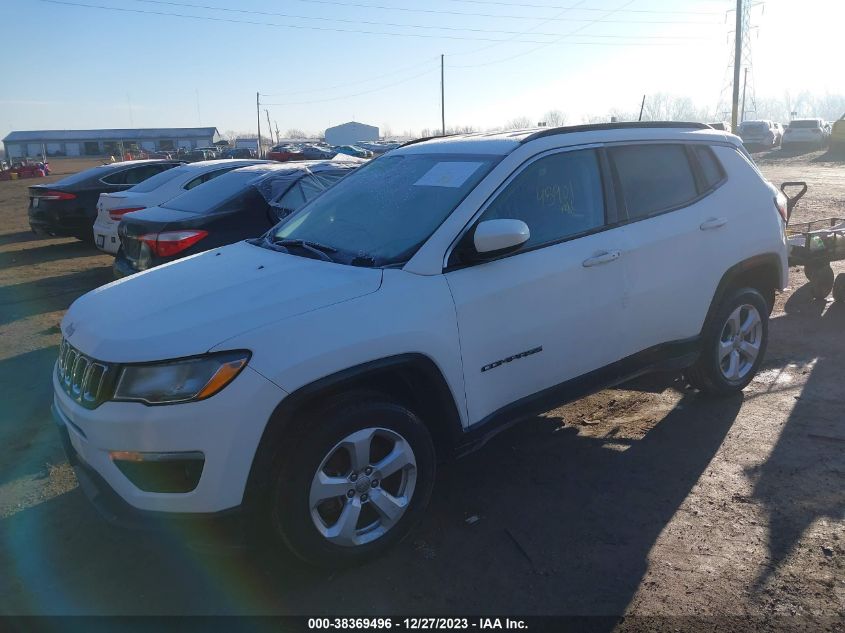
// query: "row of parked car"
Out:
[154,211]
[386,316]
[814,132]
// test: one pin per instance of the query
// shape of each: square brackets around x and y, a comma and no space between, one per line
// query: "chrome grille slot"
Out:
[83,378]
[93,383]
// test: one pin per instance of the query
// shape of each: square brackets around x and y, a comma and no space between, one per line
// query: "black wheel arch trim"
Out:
[447,429]
[770,261]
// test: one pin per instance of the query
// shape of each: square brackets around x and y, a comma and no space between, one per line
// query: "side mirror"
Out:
[498,237]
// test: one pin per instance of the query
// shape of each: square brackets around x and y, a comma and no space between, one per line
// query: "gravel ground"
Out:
[646,500]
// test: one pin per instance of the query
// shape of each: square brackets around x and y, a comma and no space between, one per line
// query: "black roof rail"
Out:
[425,138]
[625,125]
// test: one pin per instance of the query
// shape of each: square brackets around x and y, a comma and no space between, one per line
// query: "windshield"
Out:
[214,193]
[803,124]
[384,211]
[755,126]
[158,180]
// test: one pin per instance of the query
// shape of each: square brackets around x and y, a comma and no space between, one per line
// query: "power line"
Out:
[544,45]
[552,6]
[274,24]
[366,22]
[482,15]
[289,26]
[348,83]
[357,94]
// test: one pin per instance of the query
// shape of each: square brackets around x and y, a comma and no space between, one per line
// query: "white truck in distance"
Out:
[312,378]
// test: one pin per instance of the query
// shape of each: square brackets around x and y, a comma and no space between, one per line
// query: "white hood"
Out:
[189,306]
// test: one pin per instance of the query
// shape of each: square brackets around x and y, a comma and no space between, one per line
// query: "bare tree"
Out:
[386,131]
[295,133]
[518,123]
[554,118]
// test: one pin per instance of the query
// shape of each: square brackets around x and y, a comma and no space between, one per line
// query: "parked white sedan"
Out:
[111,207]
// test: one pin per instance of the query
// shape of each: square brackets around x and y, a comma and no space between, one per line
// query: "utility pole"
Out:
[642,107]
[737,64]
[258,117]
[744,86]
[269,127]
[278,136]
[442,98]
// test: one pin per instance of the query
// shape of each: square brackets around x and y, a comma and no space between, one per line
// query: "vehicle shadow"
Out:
[565,524]
[28,440]
[48,253]
[19,301]
[801,481]
[21,236]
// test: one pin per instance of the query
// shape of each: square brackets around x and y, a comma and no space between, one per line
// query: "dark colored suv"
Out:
[69,206]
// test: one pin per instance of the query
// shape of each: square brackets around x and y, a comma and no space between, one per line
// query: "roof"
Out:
[351,123]
[110,134]
[314,166]
[501,143]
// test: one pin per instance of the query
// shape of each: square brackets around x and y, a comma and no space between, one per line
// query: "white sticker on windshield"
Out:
[448,174]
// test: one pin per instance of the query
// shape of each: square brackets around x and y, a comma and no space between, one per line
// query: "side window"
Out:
[315,184]
[205,178]
[654,178]
[711,170]
[558,196]
[141,173]
[292,199]
[117,178]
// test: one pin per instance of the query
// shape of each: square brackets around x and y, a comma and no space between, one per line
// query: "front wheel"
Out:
[733,345]
[356,483]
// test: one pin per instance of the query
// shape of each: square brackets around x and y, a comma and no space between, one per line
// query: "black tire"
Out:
[821,282]
[296,466]
[839,288]
[707,374]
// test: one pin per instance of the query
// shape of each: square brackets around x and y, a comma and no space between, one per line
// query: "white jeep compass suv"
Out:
[315,375]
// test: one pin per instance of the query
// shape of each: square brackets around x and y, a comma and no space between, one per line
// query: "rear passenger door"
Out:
[672,232]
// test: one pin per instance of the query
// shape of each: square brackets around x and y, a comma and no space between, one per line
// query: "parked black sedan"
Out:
[240,204]
[69,206]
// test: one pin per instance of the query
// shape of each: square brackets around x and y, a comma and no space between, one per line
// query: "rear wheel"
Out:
[733,345]
[821,279]
[355,484]
[839,288]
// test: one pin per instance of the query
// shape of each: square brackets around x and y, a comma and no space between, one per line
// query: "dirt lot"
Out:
[645,500]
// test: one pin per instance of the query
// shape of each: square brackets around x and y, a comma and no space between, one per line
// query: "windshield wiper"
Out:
[320,250]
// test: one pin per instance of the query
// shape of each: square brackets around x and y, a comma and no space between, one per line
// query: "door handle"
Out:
[713,223]
[604,257]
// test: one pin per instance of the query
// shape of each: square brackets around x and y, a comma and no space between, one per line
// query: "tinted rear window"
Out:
[101,171]
[654,178]
[711,169]
[804,124]
[215,192]
[159,179]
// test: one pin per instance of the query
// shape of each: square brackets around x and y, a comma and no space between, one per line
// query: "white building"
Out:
[105,142]
[350,133]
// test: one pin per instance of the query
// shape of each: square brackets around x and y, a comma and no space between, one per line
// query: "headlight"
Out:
[179,380]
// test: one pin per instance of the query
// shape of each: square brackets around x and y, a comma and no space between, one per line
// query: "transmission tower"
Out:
[745,73]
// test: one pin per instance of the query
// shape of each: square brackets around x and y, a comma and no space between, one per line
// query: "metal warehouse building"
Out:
[350,133]
[106,142]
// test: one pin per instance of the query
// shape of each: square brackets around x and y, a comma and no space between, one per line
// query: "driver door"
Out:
[550,312]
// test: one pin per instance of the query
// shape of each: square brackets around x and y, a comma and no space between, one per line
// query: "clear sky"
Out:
[73,66]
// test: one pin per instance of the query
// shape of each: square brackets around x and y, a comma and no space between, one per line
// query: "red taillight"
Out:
[116,214]
[55,195]
[781,205]
[171,242]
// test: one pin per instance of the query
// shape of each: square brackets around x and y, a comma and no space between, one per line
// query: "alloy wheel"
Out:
[739,344]
[363,487]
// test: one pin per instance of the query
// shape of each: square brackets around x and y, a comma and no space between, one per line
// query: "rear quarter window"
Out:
[653,178]
[711,169]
